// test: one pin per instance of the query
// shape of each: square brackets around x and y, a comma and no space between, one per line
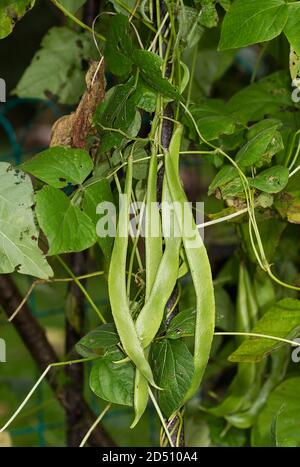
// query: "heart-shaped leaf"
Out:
[60,166]
[113,382]
[66,227]
[18,233]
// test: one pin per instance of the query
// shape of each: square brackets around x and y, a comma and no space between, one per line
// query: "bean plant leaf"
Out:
[209,15]
[19,250]
[56,69]
[117,112]
[211,119]
[173,369]
[60,166]
[12,11]
[282,411]
[189,28]
[93,195]
[281,320]
[119,46]
[100,338]
[183,324]
[144,97]
[66,227]
[252,21]
[253,151]
[111,381]
[272,180]
[288,202]
[291,29]
[269,95]
[225,175]
[124,7]
[150,66]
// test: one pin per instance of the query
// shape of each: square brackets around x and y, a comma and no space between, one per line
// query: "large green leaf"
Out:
[57,67]
[272,180]
[19,249]
[113,382]
[60,166]
[252,21]
[281,320]
[278,422]
[173,369]
[119,46]
[93,195]
[10,12]
[269,95]
[66,227]
[291,29]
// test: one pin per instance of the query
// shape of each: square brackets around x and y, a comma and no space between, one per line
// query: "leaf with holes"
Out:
[56,68]
[272,180]
[19,250]
[11,12]
[150,66]
[60,166]
[291,29]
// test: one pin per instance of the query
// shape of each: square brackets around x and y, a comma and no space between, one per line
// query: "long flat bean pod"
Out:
[117,288]
[199,266]
[153,245]
[151,315]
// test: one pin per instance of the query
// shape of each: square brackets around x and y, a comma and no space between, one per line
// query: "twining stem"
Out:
[41,378]
[82,288]
[50,281]
[263,336]
[163,422]
[77,20]
[96,423]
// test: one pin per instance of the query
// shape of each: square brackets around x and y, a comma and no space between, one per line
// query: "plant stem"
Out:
[76,20]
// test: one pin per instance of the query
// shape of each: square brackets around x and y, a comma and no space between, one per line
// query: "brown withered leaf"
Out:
[72,130]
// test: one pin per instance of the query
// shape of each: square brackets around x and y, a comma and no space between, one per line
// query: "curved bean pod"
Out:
[199,266]
[117,288]
[152,313]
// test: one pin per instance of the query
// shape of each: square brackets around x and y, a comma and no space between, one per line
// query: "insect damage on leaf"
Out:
[72,130]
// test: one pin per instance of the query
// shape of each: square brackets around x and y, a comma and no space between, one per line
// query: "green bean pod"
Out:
[152,313]
[153,243]
[117,288]
[199,266]
[153,246]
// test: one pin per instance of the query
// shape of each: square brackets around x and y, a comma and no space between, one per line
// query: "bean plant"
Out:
[206,342]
